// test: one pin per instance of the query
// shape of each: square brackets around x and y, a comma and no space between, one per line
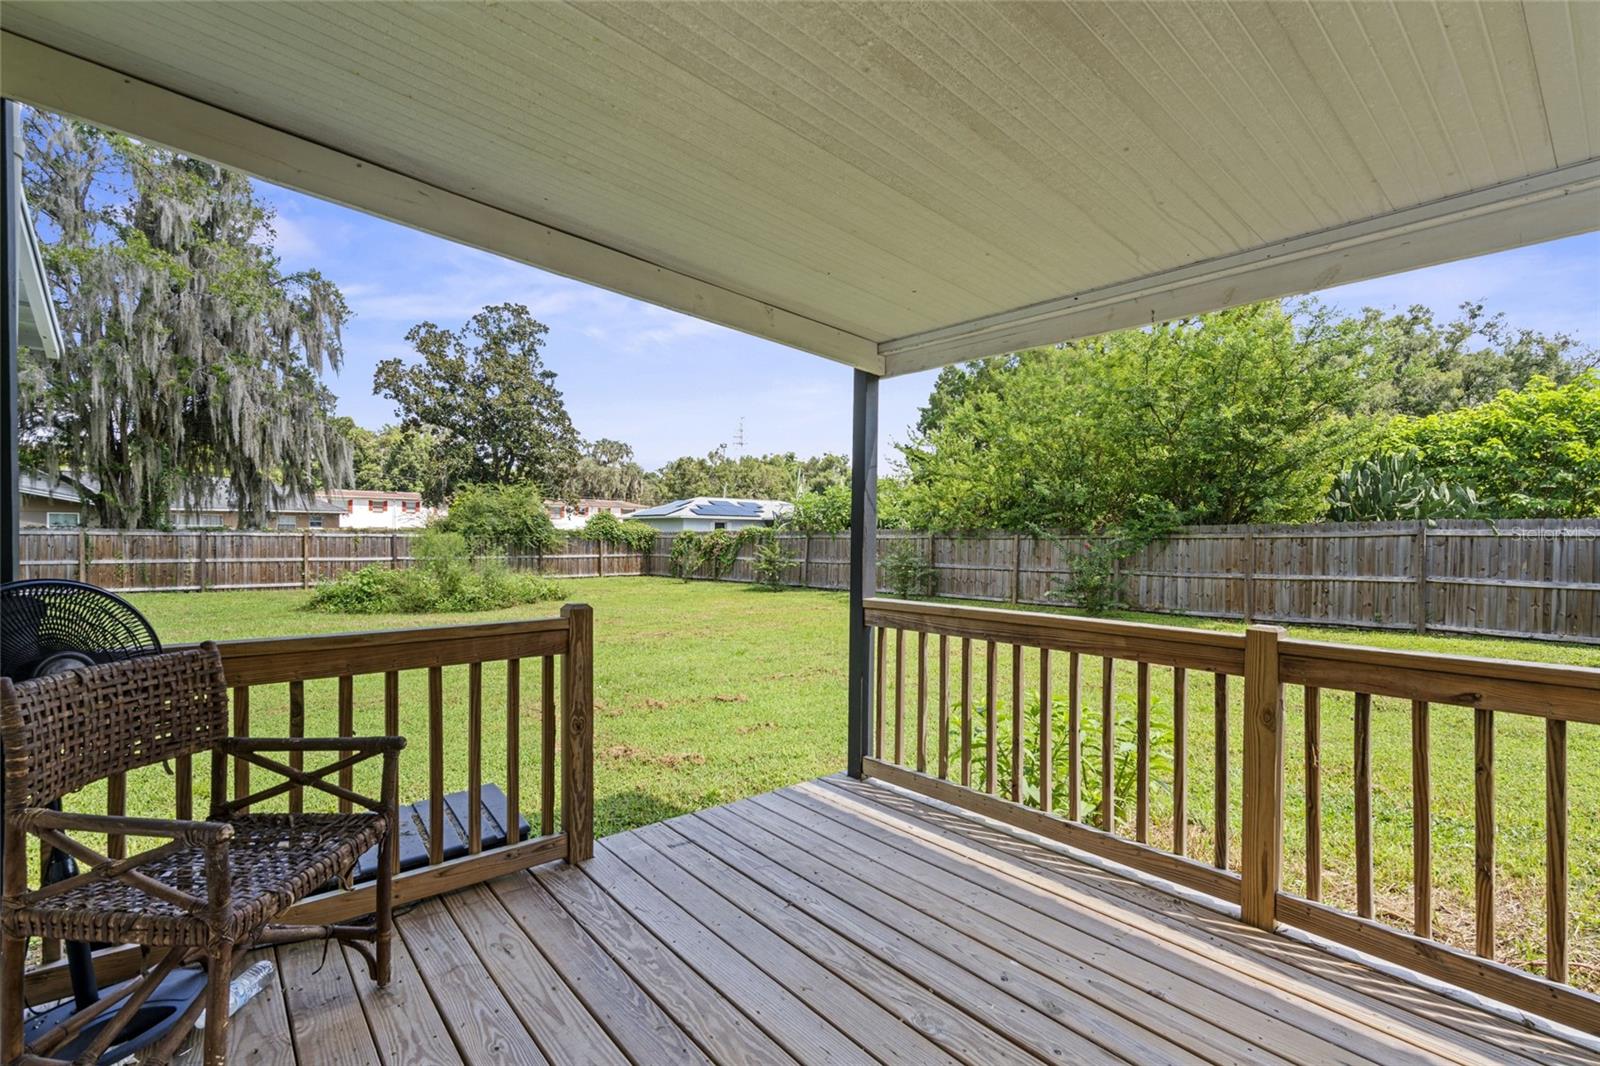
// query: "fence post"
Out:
[83,554]
[600,558]
[394,551]
[1016,567]
[1261,861]
[305,559]
[1419,609]
[200,560]
[577,733]
[1249,576]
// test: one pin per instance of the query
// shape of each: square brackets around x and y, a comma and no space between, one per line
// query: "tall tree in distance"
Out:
[606,470]
[398,459]
[485,392]
[190,356]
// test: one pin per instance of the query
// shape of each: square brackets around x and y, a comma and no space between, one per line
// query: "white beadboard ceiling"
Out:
[894,186]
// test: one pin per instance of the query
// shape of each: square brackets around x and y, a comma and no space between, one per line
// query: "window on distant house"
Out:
[377,505]
[409,505]
[63,519]
[352,503]
[315,521]
[287,521]
[719,525]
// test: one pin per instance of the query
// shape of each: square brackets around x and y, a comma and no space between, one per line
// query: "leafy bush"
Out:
[444,579]
[712,552]
[771,565]
[1124,765]
[1534,453]
[827,511]
[1093,584]
[906,570]
[502,518]
[1395,488]
[609,529]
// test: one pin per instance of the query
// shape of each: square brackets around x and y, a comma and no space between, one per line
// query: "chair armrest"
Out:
[367,745]
[206,834]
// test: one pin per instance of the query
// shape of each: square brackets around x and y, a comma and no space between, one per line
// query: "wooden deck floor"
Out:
[844,922]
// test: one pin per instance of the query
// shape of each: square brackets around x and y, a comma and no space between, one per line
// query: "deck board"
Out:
[840,922]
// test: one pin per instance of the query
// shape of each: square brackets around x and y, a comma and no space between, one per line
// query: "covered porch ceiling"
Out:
[894,187]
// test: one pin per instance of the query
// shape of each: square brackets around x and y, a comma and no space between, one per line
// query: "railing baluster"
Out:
[1018,720]
[241,728]
[966,712]
[1363,772]
[297,729]
[1313,792]
[474,757]
[391,727]
[1421,830]
[881,680]
[513,749]
[1180,761]
[347,728]
[1483,809]
[1555,855]
[547,747]
[990,758]
[1219,856]
[1046,737]
[922,702]
[944,707]
[1108,745]
[1261,821]
[1074,737]
[577,733]
[899,696]
[1141,821]
[435,764]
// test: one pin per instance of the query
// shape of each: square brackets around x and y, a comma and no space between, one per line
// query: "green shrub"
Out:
[1396,488]
[443,579]
[1124,759]
[712,552]
[906,570]
[502,518]
[609,529]
[771,566]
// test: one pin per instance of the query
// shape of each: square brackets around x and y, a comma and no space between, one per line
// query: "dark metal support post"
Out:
[863,561]
[11,498]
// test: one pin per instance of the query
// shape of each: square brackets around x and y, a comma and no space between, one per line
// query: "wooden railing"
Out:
[432,686]
[971,728]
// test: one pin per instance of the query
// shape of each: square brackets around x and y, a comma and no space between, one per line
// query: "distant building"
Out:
[219,509]
[367,509]
[569,516]
[54,504]
[707,512]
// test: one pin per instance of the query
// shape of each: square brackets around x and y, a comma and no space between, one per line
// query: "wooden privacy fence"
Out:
[200,560]
[1529,578]
[977,693]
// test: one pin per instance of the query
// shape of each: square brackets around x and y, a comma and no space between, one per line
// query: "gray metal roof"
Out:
[718,507]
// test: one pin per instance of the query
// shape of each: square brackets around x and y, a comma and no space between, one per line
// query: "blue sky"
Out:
[672,385]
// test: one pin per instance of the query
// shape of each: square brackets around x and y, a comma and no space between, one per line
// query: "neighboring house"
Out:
[53,504]
[217,509]
[706,512]
[566,515]
[370,509]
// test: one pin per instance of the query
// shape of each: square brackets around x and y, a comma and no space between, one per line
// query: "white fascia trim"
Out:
[1541,207]
[49,78]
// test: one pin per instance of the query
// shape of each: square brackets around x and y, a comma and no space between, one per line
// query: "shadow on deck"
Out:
[840,921]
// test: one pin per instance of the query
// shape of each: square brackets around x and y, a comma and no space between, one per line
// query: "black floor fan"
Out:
[46,627]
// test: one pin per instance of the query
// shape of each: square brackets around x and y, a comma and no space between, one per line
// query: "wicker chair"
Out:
[208,892]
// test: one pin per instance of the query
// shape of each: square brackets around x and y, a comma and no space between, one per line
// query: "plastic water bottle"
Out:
[243,989]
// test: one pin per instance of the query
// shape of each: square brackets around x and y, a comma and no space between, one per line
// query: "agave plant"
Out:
[1396,487]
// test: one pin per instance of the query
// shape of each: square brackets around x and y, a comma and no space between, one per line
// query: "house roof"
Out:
[711,507]
[32,483]
[219,499]
[891,186]
[373,494]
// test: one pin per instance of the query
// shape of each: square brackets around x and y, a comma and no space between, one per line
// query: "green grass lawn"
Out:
[709,692]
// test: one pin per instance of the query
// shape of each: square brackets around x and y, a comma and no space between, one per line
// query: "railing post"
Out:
[1261,861]
[577,733]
